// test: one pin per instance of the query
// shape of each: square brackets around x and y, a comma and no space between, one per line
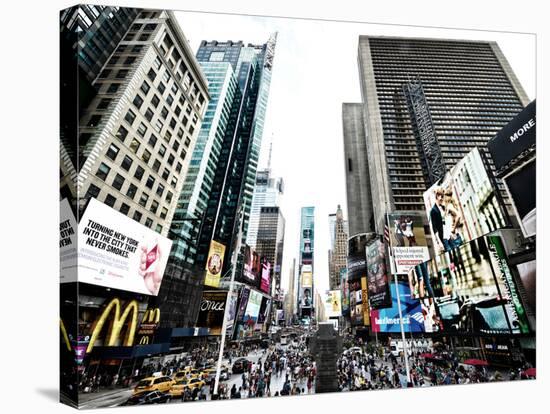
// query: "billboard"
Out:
[333,304]
[214,264]
[470,290]
[252,265]
[117,252]
[67,243]
[253,307]
[306,297]
[463,205]
[356,302]
[231,313]
[356,260]
[387,320]
[265,282]
[243,303]
[307,279]
[345,291]
[366,307]
[516,137]
[407,240]
[524,197]
[212,310]
[377,276]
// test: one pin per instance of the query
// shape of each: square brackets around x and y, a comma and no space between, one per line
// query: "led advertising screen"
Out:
[306,297]
[212,310]
[463,205]
[117,252]
[471,289]
[387,320]
[67,243]
[214,264]
[524,196]
[377,276]
[251,265]
[356,302]
[253,307]
[345,291]
[407,241]
[333,304]
[265,282]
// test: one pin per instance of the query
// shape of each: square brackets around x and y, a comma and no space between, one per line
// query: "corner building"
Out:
[427,103]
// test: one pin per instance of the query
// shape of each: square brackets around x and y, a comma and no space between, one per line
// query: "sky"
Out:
[314,72]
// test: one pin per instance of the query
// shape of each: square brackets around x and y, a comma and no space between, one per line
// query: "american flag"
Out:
[386,233]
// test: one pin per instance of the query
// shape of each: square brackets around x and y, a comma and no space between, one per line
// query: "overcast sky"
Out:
[315,71]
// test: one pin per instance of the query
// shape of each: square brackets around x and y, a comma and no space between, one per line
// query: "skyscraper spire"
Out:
[270,151]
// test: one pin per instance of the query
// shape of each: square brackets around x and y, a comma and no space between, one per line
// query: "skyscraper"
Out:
[134,135]
[427,102]
[267,192]
[233,182]
[338,252]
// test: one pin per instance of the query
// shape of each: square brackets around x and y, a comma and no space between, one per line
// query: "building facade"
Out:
[267,192]
[339,248]
[426,104]
[305,288]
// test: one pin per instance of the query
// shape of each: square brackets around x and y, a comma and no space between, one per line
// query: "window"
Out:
[94,120]
[171,159]
[165,174]
[112,152]
[162,150]
[161,87]
[137,49]
[170,99]
[159,228]
[143,199]
[104,73]
[150,182]
[173,123]
[146,156]
[118,182]
[134,145]
[152,140]
[178,167]
[110,200]
[160,190]
[137,216]
[167,136]
[163,213]
[155,101]
[103,171]
[180,133]
[156,165]
[132,190]
[183,154]
[93,191]
[177,110]
[104,103]
[166,77]
[113,87]
[174,182]
[145,87]
[129,60]
[124,208]
[113,60]
[144,37]
[151,74]
[127,162]
[130,117]
[154,207]
[142,129]
[148,222]
[164,112]
[169,196]
[174,89]
[187,142]
[159,125]
[122,133]
[149,114]
[139,172]
[138,101]
[122,74]
[150,27]
[157,63]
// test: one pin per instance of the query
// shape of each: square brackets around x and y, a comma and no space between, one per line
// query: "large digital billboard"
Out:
[345,291]
[333,303]
[407,241]
[252,265]
[265,282]
[463,205]
[117,252]
[387,320]
[212,310]
[471,289]
[214,264]
[377,276]
[253,308]
[524,196]
[67,243]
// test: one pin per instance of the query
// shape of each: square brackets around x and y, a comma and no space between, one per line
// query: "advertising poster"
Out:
[212,310]
[333,304]
[377,276]
[306,297]
[214,264]
[524,197]
[357,260]
[252,266]
[471,290]
[117,252]
[253,307]
[67,243]
[243,303]
[463,205]
[266,275]
[356,302]
[307,279]
[407,240]
[365,297]
[264,310]
[231,313]
[387,320]
[345,291]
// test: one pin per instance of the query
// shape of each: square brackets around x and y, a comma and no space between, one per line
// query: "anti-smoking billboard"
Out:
[407,240]
[117,252]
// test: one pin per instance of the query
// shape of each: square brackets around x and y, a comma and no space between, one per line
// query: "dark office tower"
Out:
[233,183]
[428,102]
[270,243]
[88,36]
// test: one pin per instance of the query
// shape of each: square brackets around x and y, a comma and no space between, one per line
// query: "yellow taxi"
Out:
[160,383]
[179,387]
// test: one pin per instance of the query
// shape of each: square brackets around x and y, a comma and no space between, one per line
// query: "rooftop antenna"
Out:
[270,151]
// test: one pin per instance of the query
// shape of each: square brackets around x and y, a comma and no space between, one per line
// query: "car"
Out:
[208,373]
[160,383]
[179,387]
[148,397]
[353,351]
[240,365]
